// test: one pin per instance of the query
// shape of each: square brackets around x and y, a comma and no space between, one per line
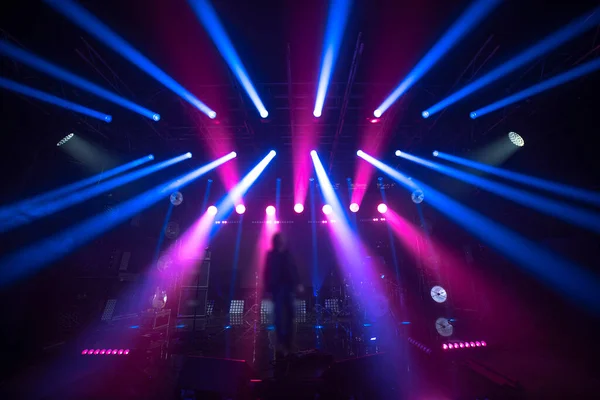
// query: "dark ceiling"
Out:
[276,38]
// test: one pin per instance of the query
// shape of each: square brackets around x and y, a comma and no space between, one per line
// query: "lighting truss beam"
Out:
[336,22]
[465,23]
[27,215]
[44,252]
[551,42]
[568,76]
[88,22]
[49,98]
[208,16]
[565,276]
[53,70]
[586,196]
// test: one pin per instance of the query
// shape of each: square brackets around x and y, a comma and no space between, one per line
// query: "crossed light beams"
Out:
[551,42]
[49,98]
[553,208]
[563,78]
[36,201]
[40,210]
[567,277]
[476,12]
[336,22]
[208,16]
[349,249]
[198,235]
[586,196]
[42,65]
[88,22]
[18,264]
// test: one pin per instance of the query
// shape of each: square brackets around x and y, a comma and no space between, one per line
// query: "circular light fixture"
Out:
[473,115]
[240,209]
[298,208]
[425,114]
[264,113]
[354,207]
[270,211]
[327,209]
[516,139]
[212,210]
[398,153]
[438,294]
[377,113]
[417,196]
[156,117]
[382,208]
[176,198]
[436,153]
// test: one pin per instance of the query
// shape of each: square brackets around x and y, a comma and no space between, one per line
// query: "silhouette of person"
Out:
[281,281]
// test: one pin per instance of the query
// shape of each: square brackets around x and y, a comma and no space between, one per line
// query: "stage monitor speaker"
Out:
[221,376]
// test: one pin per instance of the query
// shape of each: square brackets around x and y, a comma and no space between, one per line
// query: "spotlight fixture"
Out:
[240,209]
[298,208]
[398,153]
[417,196]
[354,207]
[327,209]
[425,114]
[436,153]
[188,154]
[176,198]
[156,117]
[382,208]
[377,113]
[516,139]
[212,210]
[65,139]
[270,211]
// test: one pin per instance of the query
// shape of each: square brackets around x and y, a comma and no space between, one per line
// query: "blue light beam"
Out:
[476,12]
[553,208]
[572,280]
[31,258]
[53,70]
[208,16]
[89,23]
[70,188]
[49,98]
[336,22]
[226,205]
[561,79]
[551,42]
[30,214]
[572,192]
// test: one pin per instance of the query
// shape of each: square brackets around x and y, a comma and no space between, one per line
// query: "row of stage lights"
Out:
[298,208]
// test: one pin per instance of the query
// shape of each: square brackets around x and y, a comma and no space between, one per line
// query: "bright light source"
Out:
[298,208]
[354,207]
[516,139]
[212,115]
[264,113]
[398,153]
[270,211]
[156,117]
[473,115]
[382,208]
[425,114]
[327,209]
[108,118]
[151,157]
[360,153]
[65,139]
[233,154]
[188,154]
[212,210]
[317,113]
[377,113]
[240,209]
[313,153]
[435,153]
[273,153]
[374,120]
